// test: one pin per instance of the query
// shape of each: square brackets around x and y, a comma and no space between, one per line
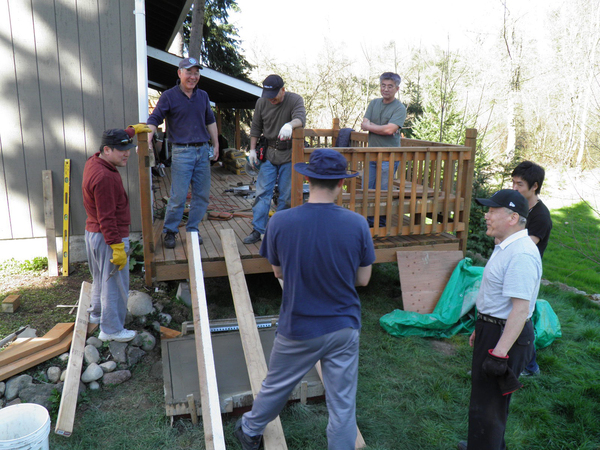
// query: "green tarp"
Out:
[455,312]
[450,316]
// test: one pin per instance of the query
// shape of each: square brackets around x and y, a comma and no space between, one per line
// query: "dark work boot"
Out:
[169,239]
[248,442]
[252,237]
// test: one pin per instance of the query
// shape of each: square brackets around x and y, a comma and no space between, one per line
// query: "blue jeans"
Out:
[265,183]
[189,164]
[385,170]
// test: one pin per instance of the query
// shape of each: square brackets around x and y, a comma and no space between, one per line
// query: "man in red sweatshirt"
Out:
[107,232]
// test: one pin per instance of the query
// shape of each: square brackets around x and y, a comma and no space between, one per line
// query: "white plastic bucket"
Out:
[24,427]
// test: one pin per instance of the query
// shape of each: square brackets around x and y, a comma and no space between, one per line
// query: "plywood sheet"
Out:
[423,277]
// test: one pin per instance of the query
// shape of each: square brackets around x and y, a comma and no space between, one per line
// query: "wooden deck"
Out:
[172,264]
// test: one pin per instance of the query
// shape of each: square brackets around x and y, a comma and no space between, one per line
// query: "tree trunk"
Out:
[195,46]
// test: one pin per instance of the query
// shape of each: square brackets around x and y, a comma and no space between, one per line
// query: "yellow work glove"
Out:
[140,128]
[119,256]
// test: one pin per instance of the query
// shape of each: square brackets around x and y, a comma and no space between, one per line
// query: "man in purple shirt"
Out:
[191,125]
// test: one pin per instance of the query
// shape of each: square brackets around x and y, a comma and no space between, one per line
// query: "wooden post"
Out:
[146,207]
[214,437]
[297,156]
[49,221]
[238,133]
[335,130]
[68,400]
[467,182]
[273,437]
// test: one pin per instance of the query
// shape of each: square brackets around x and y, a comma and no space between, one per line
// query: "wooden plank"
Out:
[214,437]
[68,400]
[273,437]
[146,207]
[16,367]
[423,277]
[49,221]
[15,351]
[11,303]
[168,333]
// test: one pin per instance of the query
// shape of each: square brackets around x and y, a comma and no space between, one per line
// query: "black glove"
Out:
[495,366]
[509,383]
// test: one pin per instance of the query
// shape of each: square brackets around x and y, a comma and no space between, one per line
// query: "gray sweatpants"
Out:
[109,301]
[290,361]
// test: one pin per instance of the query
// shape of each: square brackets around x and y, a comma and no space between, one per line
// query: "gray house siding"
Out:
[67,72]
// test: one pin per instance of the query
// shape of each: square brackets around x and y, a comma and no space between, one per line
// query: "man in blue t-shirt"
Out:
[321,251]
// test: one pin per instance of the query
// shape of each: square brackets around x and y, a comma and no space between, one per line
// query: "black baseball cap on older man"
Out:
[326,164]
[188,63]
[118,138]
[271,86]
[507,198]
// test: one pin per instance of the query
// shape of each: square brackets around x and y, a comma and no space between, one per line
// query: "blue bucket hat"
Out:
[326,164]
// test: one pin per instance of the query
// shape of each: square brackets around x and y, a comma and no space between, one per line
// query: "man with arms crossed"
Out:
[321,251]
[383,120]
[503,338]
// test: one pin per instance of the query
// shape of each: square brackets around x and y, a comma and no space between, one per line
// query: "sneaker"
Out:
[122,336]
[94,319]
[169,239]
[530,373]
[248,442]
[462,445]
[252,237]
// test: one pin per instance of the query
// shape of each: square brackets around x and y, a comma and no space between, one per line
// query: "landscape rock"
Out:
[156,326]
[92,373]
[2,388]
[159,306]
[183,293]
[53,374]
[14,386]
[116,378]
[139,303]
[94,386]
[108,366]
[165,318]
[93,340]
[40,394]
[117,350]
[142,320]
[134,354]
[16,401]
[148,341]
[63,375]
[64,357]
[91,354]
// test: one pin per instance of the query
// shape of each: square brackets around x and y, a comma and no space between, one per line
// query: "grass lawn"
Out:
[413,392]
[573,253]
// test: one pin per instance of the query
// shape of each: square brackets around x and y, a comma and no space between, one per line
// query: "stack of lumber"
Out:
[25,353]
[234,160]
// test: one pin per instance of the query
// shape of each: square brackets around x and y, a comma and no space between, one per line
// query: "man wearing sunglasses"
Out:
[191,125]
[107,232]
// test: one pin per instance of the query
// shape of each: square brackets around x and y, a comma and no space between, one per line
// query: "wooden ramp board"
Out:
[68,400]
[181,377]
[17,350]
[423,277]
[273,437]
[214,436]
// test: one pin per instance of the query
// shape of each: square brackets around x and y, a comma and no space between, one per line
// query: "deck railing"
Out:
[431,188]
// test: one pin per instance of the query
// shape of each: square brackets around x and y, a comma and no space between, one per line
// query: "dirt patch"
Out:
[444,347]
